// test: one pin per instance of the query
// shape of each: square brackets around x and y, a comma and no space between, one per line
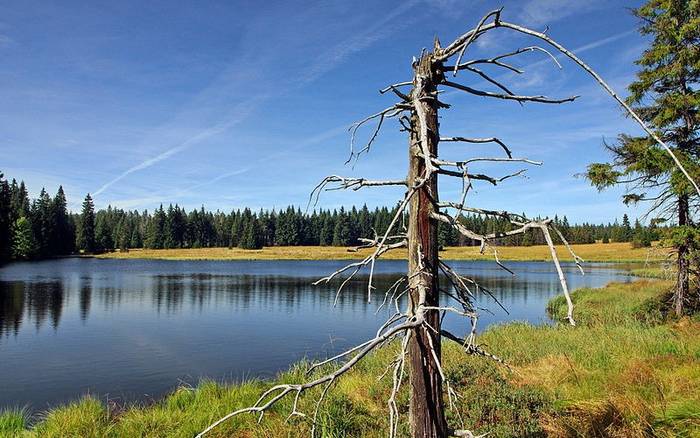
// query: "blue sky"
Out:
[233,104]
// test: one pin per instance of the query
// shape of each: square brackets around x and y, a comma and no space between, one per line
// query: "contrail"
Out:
[220,177]
[336,56]
[193,140]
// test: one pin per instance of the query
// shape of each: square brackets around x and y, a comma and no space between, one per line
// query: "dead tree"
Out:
[418,327]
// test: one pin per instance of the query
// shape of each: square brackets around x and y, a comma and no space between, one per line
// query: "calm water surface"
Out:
[132,330]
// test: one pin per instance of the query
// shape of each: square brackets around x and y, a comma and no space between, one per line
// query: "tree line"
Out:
[39,228]
[43,227]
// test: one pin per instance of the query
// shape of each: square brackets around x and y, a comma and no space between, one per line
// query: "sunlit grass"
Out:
[618,373]
[595,252]
[622,370]
[13,422]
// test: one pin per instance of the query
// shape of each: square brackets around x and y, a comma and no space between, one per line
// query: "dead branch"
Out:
[539,99]
[460,43]
[480,176]
[480,140]
[496,60]
[493,81]
[560,272]
[397,85]
[471,348]
[523,227]
[496,14]
[459,282]
[336,182]
[389,112]
[462,163]
[382,247]
[578,260]
[270,397]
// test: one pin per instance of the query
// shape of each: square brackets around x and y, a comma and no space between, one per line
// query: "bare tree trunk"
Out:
[682,291]
[427,415]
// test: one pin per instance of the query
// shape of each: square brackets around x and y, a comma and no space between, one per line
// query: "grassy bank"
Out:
[622,372]
[596,252]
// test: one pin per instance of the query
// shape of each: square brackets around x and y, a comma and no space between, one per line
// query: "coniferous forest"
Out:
[43,227]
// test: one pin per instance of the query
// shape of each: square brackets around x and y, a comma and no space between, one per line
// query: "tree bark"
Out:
[682,291]
[427,417]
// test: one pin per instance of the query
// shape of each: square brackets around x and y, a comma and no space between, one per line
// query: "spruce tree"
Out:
[136,240]
[123,234]
[42,224]
[342,231]
[565,228]
[5,219]
[156,226]
[640,235]
[62,237]
[86,234]
[252,235]
[236,229]
[287,228]
[666,94]
[20,204]
[169,229]
[626,229]
[23,246]
[104,241]
[326,234]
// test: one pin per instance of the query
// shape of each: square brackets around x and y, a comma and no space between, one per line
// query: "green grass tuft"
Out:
[13,422]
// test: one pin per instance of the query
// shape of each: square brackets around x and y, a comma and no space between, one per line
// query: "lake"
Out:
[132,330]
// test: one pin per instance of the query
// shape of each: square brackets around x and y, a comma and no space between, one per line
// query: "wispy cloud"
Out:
[167,196]
[358,42]
[238,115]
[326,62]
[6,41]
[543,12]
[604,41]
[584,48]
[221,177]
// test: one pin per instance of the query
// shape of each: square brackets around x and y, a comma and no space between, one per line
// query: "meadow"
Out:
[623,371]
[595,252]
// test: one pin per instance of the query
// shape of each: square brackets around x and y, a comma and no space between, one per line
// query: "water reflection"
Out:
[36,302]
[33,302]
[131,328]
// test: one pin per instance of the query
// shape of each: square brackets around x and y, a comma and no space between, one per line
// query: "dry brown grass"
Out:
[596,252]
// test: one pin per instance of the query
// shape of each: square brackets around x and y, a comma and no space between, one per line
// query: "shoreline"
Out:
[597,252]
